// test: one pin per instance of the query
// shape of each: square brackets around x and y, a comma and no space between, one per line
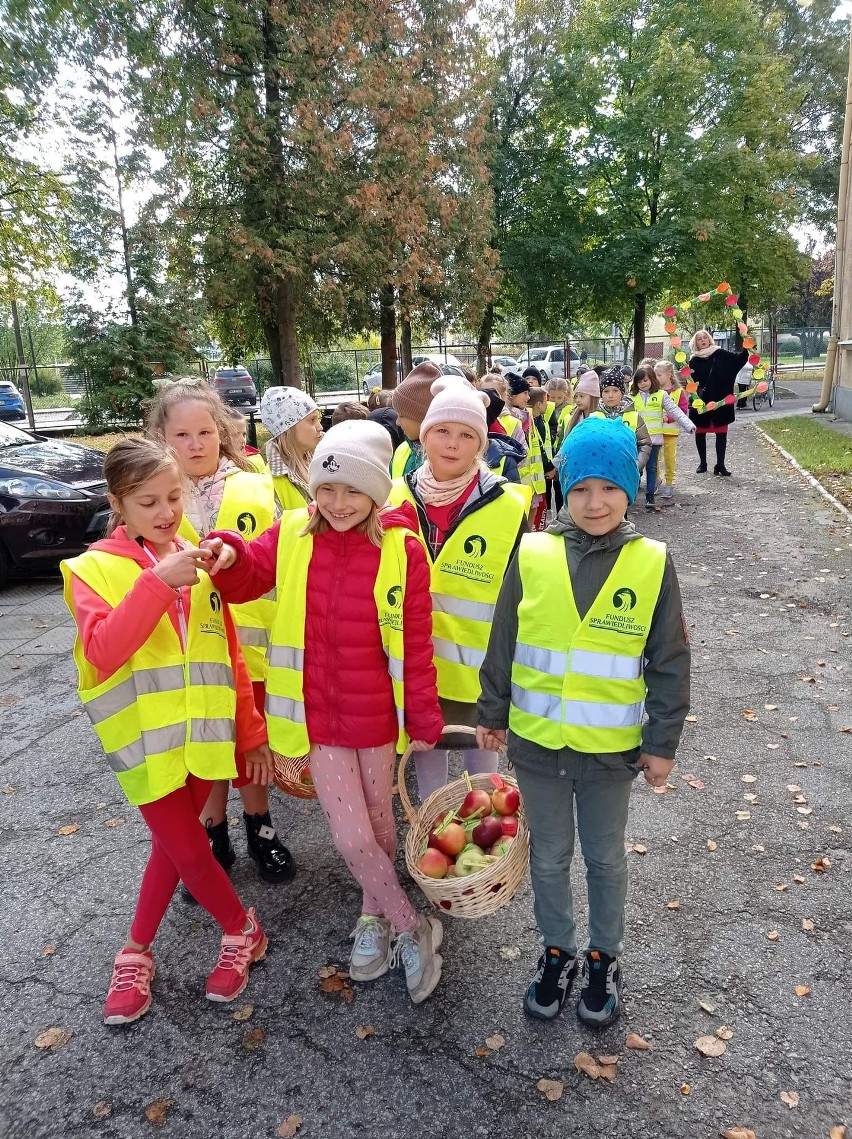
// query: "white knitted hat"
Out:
[455,401]
[283,408]
[357,453]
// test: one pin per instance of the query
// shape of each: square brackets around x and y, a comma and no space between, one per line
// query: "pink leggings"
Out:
[355,789]
[180,849]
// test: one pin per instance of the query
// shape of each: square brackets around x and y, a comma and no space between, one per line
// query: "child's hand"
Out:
[259,764]
[219,555]
[490,739]
[657,769]
[422,745]
[181,568]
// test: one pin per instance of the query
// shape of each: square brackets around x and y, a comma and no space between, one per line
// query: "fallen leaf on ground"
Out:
[793,788]
[708,1006]
[710,1045]
[552,1089]
[290,1126]
[48,950]
[836,830]
[243,1012]
[807,925]
[773,935]
[637,848]
[675,905]
[804,810]
[738,1133]
[790,1098]
[691,718]
[365,1030]
[636,1042]
[820,866]
[749,715]
[844,730]
[758,849]
[798,878]
[781,887]
[583,1062]
[685,1089]
[773,747]
[253,1039]
[337,982]
[608,1072]
[838,1132]
[327,971]
[802,990]
[495,1042]
[724,1032]
[665,787]
[748,779]
[53,1038]
[157,1111]
[481,1051]
[711,845]
[509,952]
[114,823]
[72,828]
[750,797]
[696,784]
[8,790]
[743,815]
[607,1061]
[102,1109]
[771,707]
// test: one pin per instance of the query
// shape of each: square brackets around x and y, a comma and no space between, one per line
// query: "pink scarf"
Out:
[435,493]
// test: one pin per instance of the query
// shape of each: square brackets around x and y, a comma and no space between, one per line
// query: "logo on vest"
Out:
[475,546]
[624,600]
[215,602]
[246,524]
[394,596]
[215,624]
[392,617]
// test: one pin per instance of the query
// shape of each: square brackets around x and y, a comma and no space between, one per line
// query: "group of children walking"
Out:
[348,597]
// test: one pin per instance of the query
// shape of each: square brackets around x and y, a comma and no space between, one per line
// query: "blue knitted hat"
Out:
[600,449]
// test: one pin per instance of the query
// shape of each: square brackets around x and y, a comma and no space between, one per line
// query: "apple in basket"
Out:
[433,863]
[486,833]
[501,847]
[477,804]
[509,824]
[449,836]
[506,800]
[471,860]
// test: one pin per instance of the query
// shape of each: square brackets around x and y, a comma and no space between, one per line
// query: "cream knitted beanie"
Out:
[356,453]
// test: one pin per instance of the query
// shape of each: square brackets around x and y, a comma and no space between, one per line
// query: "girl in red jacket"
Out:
[165,685]
[350,662]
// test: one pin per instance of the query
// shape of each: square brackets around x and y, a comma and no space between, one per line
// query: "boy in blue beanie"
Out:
[588,668]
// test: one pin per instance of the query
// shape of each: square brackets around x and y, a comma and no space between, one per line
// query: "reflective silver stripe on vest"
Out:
[249,635]
[541,659]
[145,682]
[212,731]
[285,656]
[546,707]
[207,672]
[608,666]
[153,741]
[271,596]
[284,708]
[458,654]
[395,668]
[461,607]
[585,714]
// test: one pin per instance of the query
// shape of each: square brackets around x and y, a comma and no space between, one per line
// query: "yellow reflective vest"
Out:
[288,494]
[169,711]
[651,411]
[258,462]
[578,683]
[248,506]
[285,693]
[465,581]
[672,428]
[400,458]
[531,470]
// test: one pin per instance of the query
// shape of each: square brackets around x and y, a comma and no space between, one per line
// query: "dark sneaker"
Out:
[600,1003]
[223,852]
[551,985]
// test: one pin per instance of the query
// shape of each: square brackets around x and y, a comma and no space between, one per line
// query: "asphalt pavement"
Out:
[739,912]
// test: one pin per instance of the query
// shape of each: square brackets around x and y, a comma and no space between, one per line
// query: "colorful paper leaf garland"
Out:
[723,289]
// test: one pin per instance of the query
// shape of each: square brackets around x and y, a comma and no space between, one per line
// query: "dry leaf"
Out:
[692,718]
[798,878]
[773,935]
[793,788]
[495,1042]
[749,797]
[847,730]
[711,845]
[99,806]
[790,1098]
[243,1012]
[583,1062]
[820,866]
[749,715]
[710,1045]
[8,790]
[637,848]
[552,1089]
[290,1126]
[327,971]
[758,849]
[636,1042]
[114,823]
[675,905]
[802,990]
[253,1039]
[509,952]
[697,784]
[708,1006]
[781,887]
[771,707]
[607,1061]
[480,1051]
[608,1072]
[72,828]
[685,1089]
[724,1032]
[665,787]
[804,810]
[773,747]
[748,779]
[838,1132]
[102,1109]
[53,1038]
[48,950]
[157,1111]
[807,925]
[738,1133]
[365,1030]
[743,815]
[836,830]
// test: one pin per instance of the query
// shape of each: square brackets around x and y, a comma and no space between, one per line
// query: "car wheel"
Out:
[5,566]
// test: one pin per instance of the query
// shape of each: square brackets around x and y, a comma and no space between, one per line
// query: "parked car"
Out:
[235,386]
[372,378]
[550,361]
[11,401]
[53,501]
[505,361]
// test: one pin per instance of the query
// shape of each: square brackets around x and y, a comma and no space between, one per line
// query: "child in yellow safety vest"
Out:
[295,423]
[163,680]
[616,404]
[222,489]
[588,640]
[665,373]
[538,407]
[532,470]
[350,673]
[653,404]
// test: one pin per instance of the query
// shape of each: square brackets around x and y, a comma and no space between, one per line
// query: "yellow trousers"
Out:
[670,457]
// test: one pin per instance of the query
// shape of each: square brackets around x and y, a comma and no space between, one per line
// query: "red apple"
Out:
[450,839]
[501,847]
[433,863]
[509,824]
[506,800]
[477,803]
[489,831]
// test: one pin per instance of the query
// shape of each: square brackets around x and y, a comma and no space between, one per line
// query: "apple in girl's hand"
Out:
[433,863]
[305,777]
[450,839]
[506,800]
[489,831]
[501,847]
[509,823]
[476,802]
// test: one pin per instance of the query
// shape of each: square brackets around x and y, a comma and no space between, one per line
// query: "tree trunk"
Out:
[387,331]
[483,340]
[125,240]
[23,370]
[287,335]
[638,328]
[405,345]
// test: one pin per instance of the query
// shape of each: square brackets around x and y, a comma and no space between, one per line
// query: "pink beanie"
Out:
[589,384]
[454,400]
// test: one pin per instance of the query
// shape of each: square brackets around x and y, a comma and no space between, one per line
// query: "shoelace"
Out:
[233,955]
[129,975]
[407,951]
[366,934]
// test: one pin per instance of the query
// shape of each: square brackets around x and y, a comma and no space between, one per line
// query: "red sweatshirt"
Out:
[348,693]
[110,637]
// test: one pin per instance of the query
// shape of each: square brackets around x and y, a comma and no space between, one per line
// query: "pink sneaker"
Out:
[129,995]
[236,955]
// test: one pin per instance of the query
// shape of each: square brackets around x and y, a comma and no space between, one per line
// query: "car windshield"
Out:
[12,437]
[538,354]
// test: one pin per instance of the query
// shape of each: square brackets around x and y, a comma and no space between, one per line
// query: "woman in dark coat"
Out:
[715,371]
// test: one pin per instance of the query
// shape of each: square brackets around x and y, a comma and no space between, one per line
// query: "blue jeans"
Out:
[651,469]
[550,791]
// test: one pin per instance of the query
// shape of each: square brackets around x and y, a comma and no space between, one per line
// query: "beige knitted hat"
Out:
[357,453]
[412,397]
[455,401]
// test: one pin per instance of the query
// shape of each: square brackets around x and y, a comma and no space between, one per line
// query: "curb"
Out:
[806,474]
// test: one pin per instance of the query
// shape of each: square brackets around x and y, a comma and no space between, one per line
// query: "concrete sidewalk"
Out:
[757,802]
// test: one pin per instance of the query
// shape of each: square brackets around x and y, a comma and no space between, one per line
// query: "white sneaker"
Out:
[372,950]
[418,952]
[667,490]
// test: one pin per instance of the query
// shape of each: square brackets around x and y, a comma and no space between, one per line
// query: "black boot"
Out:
[274,861]
[721,448]
[223,852]
[701,446]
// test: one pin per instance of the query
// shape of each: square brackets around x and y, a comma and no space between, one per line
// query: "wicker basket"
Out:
[288,776]
[478,894]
